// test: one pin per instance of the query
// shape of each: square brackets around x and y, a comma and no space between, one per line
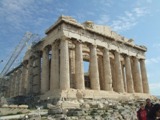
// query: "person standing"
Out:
[148,105]
[154,113]
[142,112]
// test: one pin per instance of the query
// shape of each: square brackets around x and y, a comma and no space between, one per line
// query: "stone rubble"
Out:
[102,109]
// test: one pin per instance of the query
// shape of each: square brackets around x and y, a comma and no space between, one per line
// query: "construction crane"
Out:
[28,36]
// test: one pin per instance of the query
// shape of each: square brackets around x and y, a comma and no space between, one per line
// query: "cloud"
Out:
[153,61]
[104,19]
[129,19]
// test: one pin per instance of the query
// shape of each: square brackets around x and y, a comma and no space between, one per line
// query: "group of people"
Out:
[149,111]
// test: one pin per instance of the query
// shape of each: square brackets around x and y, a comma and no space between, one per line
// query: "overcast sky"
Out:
[136,19]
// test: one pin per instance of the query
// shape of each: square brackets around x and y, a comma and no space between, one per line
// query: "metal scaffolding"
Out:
[28,36]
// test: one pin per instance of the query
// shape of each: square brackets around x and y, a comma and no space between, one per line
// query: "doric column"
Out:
[19,81]
[23,79]
[72,68]
[129,79]
[10,84]
[54,83]
[45,71]
[107,71]
[25,76]
[144,76]
[37,73]
[93,68]
[137,78]
[101,72]
[118,73]
[15,84]
[79,73]
[30,76]
[114,83]
[64,65]
[124,76]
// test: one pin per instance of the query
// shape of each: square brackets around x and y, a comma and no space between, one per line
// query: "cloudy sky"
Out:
[136,19]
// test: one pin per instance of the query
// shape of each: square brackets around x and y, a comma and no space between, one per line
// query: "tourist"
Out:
[148,105]
[154,113]
[142,112]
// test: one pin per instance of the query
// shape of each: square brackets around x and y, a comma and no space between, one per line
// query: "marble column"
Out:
[124,76]
[72,68]
[144,76]
[118,73]
[10,84]
[37,73]
[64,65]
[129,79]
[19,81]
[114,83]
[137,78]
[15,84]
[30,76]
[25,76]
[45,71]
[101,72]
[107,71]
[79,73]
[93,68]
[55,81]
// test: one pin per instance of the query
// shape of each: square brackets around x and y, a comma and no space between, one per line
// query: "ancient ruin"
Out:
[53,67]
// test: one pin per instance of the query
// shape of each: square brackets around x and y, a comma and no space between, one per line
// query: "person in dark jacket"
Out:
[148,105]
[142,112]
[154,113]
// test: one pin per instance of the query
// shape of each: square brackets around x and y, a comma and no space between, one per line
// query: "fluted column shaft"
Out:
[124,77]
[10,84]
[45,71]
[23,82]
[19,81]
[137,78]
[30,76]
[118,73]
[55,82]
[25,76]
[93,69]
[107,71]
[79,73]
[129,79]
[64,65]
[15,84]
[37,73]
[144,76]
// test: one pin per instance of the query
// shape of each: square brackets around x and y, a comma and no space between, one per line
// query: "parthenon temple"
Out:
[54,65]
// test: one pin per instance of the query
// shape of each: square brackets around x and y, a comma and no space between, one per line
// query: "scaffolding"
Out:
[28,36]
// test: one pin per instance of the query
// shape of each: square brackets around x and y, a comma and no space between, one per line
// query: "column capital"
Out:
[63,38]
[90,45]
[142,59]
[55,42]
[77,41]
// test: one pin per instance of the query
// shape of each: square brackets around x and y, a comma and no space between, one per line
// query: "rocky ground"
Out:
[79,109]
[102,109]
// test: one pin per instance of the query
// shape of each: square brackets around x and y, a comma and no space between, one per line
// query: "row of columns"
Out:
[56,75]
